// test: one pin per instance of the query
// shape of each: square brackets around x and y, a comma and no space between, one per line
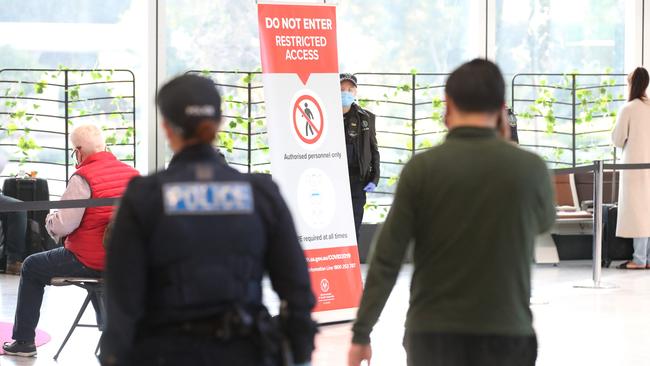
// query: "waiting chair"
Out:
[94,288]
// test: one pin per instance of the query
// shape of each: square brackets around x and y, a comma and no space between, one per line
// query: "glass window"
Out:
[378,37]
[373,36]
[400,36]
[566,62]
[559,36]
[75,34]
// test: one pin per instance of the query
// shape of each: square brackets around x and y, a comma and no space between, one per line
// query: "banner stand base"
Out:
[338,322]
[331,317]
[596,285]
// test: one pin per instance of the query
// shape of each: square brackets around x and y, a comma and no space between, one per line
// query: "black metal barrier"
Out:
[567,117]
[40,107]
[409,109]
[598,167]
[48,205]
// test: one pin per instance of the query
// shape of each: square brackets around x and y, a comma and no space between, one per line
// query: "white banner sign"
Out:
[307,147]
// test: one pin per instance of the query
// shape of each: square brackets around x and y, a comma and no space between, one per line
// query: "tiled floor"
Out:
[575,326]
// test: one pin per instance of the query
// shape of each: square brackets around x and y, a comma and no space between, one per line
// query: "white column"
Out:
[634,34]
[643,41]
[491,37]
[480,39]
[156,74]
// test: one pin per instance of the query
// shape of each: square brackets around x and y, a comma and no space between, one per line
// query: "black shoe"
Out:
[20,348]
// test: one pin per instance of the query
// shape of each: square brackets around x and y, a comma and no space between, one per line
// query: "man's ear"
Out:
[450,107]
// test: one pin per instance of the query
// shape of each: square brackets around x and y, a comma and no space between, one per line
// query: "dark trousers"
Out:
[196,351]
[439,349]
[14,227]
[358,202]
[38,270]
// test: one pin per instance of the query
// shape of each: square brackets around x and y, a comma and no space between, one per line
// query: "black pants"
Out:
[438,349]
[358,202]
[165,350]
[14,227]
[38,270]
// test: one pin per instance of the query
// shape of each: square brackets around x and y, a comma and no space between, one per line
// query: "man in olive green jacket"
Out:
[472,207]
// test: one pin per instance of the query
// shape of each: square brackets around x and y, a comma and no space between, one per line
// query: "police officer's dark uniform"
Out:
[362,151]
[188,252]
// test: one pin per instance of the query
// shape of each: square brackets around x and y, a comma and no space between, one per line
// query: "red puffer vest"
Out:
[107,178]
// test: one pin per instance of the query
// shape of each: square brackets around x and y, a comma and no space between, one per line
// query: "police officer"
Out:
[189,249]
[361,145]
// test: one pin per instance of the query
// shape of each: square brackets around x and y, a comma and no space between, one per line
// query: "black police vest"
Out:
[208,246]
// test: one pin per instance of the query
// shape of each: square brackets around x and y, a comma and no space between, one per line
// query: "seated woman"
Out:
[99,175]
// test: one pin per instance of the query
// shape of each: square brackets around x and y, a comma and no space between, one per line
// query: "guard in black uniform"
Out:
[512,122]
[189,249]
[361,145]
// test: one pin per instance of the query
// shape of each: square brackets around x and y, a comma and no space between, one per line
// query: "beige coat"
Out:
[632,133]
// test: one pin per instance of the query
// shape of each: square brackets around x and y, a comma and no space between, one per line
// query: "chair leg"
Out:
[98,344]
[100,309]
[74,325]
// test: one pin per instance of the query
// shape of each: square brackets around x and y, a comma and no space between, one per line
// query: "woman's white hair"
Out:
[88,138]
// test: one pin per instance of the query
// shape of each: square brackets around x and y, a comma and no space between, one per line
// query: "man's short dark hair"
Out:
[477,86]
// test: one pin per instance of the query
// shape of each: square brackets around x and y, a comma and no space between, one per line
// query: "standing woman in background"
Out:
[632,134]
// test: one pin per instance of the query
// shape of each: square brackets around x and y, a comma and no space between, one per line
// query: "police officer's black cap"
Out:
[349,77]
[187,100]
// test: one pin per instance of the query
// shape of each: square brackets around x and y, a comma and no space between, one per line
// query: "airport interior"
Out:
[324,183]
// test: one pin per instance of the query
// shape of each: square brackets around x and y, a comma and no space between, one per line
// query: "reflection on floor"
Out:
[575,326]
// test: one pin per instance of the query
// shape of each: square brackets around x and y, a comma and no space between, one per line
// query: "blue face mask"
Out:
[347,99]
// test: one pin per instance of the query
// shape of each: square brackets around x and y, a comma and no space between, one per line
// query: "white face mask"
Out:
[347,99]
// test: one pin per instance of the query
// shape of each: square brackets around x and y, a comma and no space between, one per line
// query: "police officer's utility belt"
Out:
[232,324]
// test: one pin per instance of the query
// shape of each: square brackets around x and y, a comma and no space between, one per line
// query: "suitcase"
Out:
[614,248]
[32,189]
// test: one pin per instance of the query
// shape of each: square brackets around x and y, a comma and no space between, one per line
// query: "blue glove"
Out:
[370,187]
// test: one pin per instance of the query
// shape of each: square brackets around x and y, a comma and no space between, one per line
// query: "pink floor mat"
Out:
[6,330]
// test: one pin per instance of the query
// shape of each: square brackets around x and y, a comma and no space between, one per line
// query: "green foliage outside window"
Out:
[34,112]
[596,104]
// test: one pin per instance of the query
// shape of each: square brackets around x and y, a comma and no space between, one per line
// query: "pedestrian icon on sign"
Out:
[308,121]
[309,130]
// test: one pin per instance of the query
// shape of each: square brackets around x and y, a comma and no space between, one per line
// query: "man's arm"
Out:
[395,236]
[126,281]
[374,150]
[65,221]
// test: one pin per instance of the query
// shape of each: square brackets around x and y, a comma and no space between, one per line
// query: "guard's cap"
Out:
[187,100]
[349,77]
